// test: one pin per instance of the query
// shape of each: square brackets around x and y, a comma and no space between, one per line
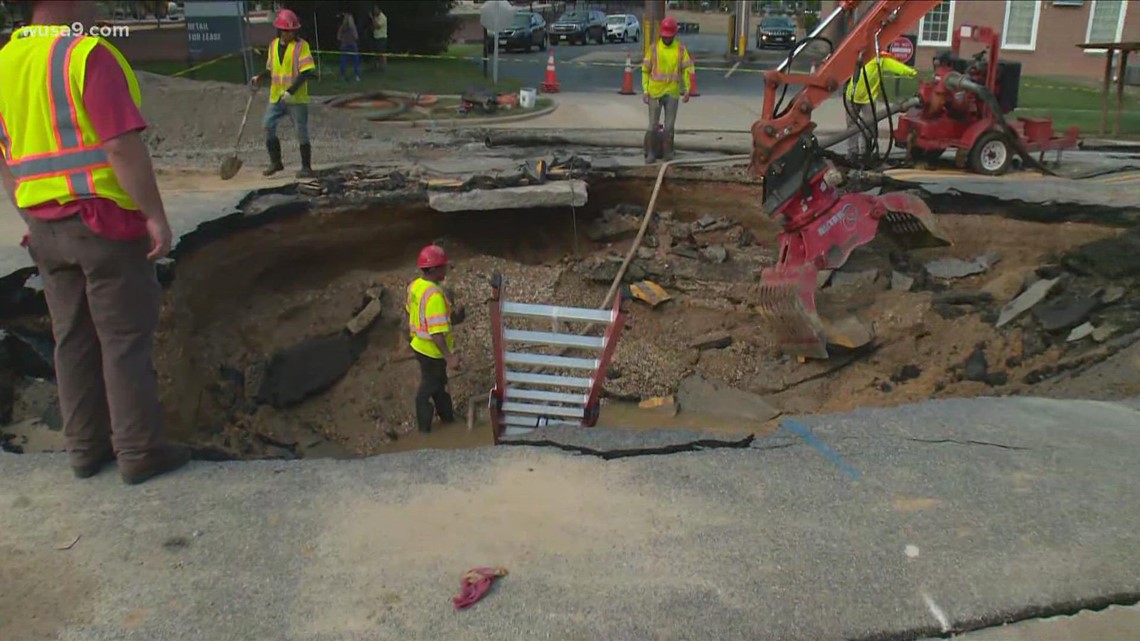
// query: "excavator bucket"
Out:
[787,304]
[909,222]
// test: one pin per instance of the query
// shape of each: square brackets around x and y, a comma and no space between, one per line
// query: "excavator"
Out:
[804,187]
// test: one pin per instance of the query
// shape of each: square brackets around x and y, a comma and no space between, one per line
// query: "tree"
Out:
[422,27]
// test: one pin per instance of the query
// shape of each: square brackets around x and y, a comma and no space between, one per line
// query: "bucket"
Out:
[527,98]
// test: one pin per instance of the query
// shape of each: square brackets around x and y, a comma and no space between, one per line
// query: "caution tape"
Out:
[569,63]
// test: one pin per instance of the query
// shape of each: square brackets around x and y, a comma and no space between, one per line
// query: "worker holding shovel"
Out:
[290,67]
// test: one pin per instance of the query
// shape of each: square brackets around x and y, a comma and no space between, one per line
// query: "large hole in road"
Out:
[293,284]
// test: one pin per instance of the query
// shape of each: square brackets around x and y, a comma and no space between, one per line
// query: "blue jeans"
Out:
[298,113]
[345,55]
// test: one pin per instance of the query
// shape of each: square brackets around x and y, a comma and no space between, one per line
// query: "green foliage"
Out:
[421,27]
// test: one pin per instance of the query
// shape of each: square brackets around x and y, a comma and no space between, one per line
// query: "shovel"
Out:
[232,164]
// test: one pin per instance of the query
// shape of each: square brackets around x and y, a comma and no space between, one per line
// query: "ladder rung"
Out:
[544,410]
[554,338]
[514,393]
[520,358]
[517,431]
[583,314]
[534,422]
[547,379]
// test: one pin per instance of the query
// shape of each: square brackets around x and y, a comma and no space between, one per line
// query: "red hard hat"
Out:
[287,21]
[431,256]
[669,27]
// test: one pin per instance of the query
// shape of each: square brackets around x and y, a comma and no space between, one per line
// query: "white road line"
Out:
[937,612]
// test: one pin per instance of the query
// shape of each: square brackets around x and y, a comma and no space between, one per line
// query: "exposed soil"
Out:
[238,300]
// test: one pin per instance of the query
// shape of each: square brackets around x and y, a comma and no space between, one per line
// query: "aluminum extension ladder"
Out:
[524,400]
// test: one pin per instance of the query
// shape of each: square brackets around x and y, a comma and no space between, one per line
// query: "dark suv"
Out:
[579,26]
[528,30]
[776,31]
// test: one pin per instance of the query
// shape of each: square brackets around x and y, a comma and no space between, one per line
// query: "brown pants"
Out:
[104,300]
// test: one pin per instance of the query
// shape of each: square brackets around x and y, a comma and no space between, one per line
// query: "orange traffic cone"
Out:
[693,93]
[627,81]
[550,85]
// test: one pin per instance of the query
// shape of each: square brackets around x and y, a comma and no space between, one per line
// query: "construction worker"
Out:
[667,68]
[289,66]
[380,38]
[865,88]
[78,171]
[430,319]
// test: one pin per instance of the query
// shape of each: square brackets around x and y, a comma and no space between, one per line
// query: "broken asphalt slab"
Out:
[1039,199]
[957,505]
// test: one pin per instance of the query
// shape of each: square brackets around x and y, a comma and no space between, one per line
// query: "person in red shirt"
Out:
[96,262]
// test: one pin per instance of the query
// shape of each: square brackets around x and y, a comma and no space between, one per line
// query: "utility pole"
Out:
[651,23]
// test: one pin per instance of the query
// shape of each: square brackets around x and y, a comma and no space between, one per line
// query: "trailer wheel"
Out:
[991,155]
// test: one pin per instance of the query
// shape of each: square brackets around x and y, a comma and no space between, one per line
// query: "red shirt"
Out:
[112,111]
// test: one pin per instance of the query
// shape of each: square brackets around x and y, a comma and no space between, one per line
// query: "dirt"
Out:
[238,300]
[195,123]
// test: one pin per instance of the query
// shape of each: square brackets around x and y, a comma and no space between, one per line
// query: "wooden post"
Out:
[1120,90]
[1104,92]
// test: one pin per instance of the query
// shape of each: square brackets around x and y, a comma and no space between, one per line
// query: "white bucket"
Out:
[527,98]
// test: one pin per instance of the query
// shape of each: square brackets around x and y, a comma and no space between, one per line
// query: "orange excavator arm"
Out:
[803,190]
[775,135]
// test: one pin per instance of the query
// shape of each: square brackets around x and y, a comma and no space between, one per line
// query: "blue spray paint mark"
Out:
[803,432]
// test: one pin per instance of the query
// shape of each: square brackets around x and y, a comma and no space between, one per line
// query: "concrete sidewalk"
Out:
[714,113]
[946,515]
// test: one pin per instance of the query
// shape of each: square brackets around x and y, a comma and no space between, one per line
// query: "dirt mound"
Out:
[196,122]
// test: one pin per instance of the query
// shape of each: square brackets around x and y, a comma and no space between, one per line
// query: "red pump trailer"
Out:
[954,118]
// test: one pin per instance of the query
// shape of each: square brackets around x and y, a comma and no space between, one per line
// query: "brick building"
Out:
[1041,34]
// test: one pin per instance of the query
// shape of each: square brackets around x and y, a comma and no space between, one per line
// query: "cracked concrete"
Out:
[769,541]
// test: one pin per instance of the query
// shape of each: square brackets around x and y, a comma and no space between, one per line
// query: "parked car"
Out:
[622,27]
[776,31]
[579,26]
[528,30]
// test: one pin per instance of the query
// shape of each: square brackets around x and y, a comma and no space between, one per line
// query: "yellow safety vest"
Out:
[857,87]
[47,137]
[665,69]
[298,58]
[425,313]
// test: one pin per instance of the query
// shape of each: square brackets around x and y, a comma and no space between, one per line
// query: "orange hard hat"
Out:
[431,256]
[669,27]
[286,20]
[886,54]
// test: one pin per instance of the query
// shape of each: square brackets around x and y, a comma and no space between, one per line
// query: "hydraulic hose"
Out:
[958,81]
[830,140]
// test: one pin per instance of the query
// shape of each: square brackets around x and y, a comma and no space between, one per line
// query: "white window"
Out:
[936,26]
[1020,29]
[1106,22]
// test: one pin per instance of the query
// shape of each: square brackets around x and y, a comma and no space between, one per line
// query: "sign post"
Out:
[495,16]
[902,49]
[215,29]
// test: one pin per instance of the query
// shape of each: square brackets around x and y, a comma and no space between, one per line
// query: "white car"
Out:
[622,27]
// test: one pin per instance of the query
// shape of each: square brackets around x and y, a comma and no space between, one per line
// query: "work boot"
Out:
[667,147]
[649,157]
[274,149]
[90,466]
[306,162]
[162,460]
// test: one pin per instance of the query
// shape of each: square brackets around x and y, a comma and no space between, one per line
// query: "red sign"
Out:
[902,50]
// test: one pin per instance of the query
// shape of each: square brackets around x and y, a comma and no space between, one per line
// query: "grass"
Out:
[418,75]
[1071,104]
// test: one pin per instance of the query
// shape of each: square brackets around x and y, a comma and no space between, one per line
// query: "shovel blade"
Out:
[230,167]
[909,222]
[787,304]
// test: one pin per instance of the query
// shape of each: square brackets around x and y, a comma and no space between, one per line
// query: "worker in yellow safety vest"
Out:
[666,69]
[289,66]
[76,168]
[430,320]
[863,90]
